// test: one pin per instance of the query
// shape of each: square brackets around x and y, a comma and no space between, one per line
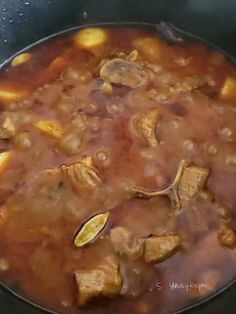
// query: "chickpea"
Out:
[12,106]
[212,150]
[224,212]
[94,124]
[231,160]
[102,156]
[70,74]
[63,105]
[189,145]
[79,121]
[70,144]
[4,265]
[22,141]
[66,303]
[182,61]
[206,196]
[86,77]
[107,88]
[91,108]
[226,134]
[175,124]
[113,109]
[25,118]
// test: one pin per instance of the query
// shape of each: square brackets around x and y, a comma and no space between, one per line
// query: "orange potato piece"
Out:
[11,94]
[20,59]
[4,160]
[228,91]
[89,38]
[50,127]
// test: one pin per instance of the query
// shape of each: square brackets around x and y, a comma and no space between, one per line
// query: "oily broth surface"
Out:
[44,213]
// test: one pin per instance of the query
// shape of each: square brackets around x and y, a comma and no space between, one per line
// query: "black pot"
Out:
[23,22]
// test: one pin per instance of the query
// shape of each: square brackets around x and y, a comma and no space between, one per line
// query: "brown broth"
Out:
[44,212]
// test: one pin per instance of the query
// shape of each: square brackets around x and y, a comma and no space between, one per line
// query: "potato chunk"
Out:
[128,73]
[145,125]
[20,59]
[11,94]
[89,38]
[104,280]
[228,91]
[157,249]
[5,158]
[50,127]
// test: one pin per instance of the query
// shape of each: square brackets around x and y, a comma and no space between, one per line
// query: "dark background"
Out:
[23,22]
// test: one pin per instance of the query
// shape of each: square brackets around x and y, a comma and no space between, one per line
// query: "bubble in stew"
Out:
[118,172]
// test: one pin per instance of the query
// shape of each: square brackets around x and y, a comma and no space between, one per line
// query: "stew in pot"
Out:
[118,172]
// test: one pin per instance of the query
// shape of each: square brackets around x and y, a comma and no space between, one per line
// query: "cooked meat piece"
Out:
[104,280]
[227,236]
[187,84]
[157,249]
[192,181]
[7,129]
[125,244]
[145,125]
[82,173]
[128,73]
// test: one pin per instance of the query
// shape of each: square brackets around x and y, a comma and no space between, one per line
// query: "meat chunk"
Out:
[145,125]
[227,236]
[188,84]
[128,73]
[104,280]
[82,173]
[157,249]
[7,129]
[192,181]
[125,244]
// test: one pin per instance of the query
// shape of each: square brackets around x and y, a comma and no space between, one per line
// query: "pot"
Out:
[23,22]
